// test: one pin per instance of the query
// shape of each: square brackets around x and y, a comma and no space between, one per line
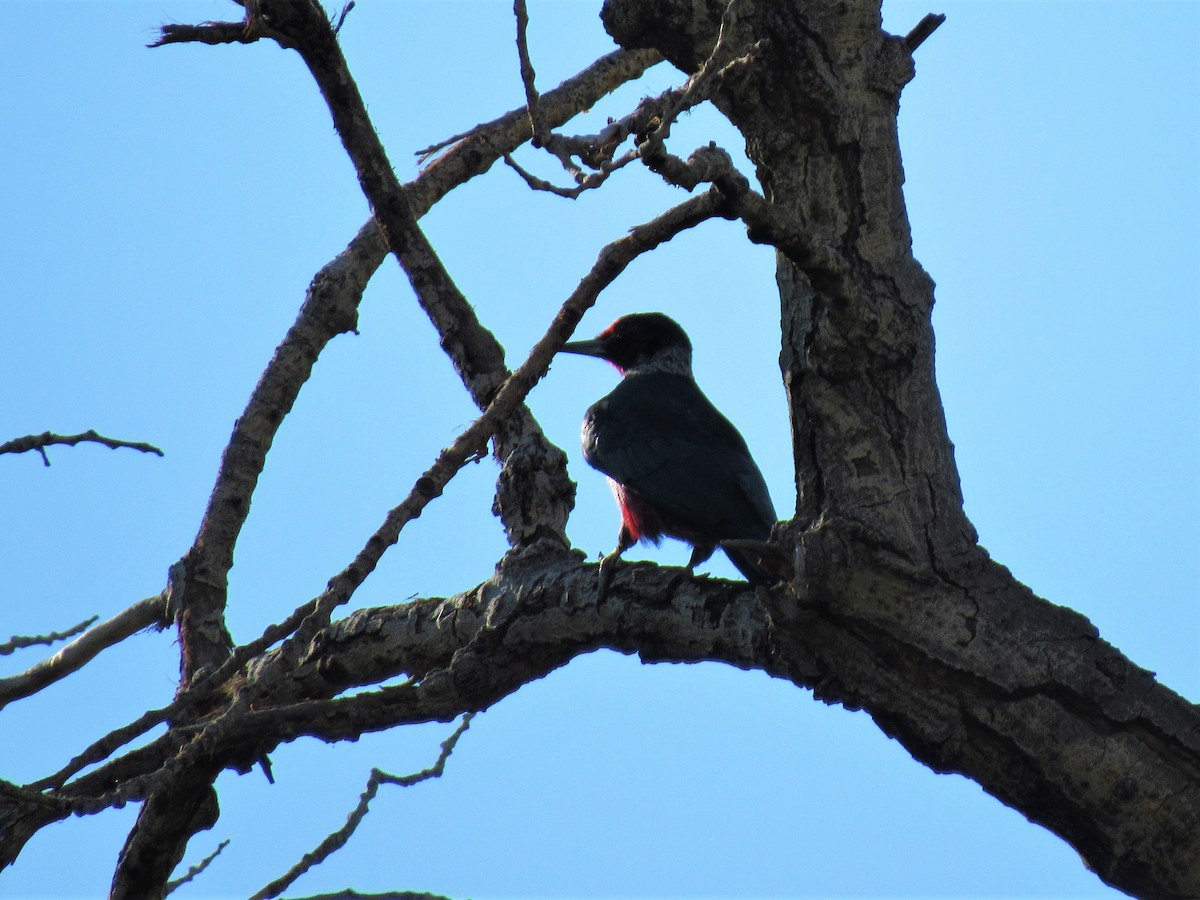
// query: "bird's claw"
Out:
[608,568]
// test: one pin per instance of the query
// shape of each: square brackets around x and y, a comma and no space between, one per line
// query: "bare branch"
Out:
[468,652]
[333,296]
[586,182]
[195,870]
[557,107]
[471,650]
[46,439]
[335,841]
[71,658]
[208,33]
[312,616]
[105,746]
[539,184]
[652,119]
[706,80]
[425,153]
[766,223]
[33,797]
[527,73]
[197,584]
[923,29]
[20,641]
[473,350]
[332,300]
[613,260]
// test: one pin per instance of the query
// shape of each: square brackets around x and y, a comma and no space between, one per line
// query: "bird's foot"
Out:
[608,568]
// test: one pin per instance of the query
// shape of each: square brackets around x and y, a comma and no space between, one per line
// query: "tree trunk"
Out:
[941,645]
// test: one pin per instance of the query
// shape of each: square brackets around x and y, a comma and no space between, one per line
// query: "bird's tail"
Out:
[750,564]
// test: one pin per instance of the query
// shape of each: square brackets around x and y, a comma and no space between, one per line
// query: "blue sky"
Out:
[164,213]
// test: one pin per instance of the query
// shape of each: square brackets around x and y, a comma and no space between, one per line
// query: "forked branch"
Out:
[338,839]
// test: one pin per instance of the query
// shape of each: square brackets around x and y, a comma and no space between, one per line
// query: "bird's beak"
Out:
[586,348]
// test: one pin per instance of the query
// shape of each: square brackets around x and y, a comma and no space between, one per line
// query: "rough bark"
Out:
[941,645]
[1014,692]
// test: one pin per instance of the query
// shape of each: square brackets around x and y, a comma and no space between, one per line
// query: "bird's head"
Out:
[641,343]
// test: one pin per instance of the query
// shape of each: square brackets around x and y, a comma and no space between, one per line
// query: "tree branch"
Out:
[529,510]
[40,442]
[195,870]
[477,356]
[212,33]
[945,650]
[527,73]
[338,839]
[556,107]
[329,309]
[991,696]
[264,676]
[923,29]
[987,707]
[651,121]
[612,260]
[71,658]
[21,641]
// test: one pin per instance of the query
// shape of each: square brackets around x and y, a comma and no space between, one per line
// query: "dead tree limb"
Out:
[40,442]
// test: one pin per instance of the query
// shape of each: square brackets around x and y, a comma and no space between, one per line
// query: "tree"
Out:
[893,607]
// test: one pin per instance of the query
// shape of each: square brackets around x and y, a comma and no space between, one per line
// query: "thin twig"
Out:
[612,260]
[527,73]
[104,747]
[83,649]
[586,182]
[425,153]
[766,223]
[337,28]
[197,744]
[539,184]
[705,81]
[33,796]
[311,616]
[335,841]
[46,439]
[333,295]
[20,641]
[195,870]
[652,119]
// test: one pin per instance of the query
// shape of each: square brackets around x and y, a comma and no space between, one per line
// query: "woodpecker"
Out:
[677,467]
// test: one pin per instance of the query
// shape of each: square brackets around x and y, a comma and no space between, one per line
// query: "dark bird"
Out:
[677,467]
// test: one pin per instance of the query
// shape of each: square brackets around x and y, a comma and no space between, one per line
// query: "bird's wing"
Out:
[662,439]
